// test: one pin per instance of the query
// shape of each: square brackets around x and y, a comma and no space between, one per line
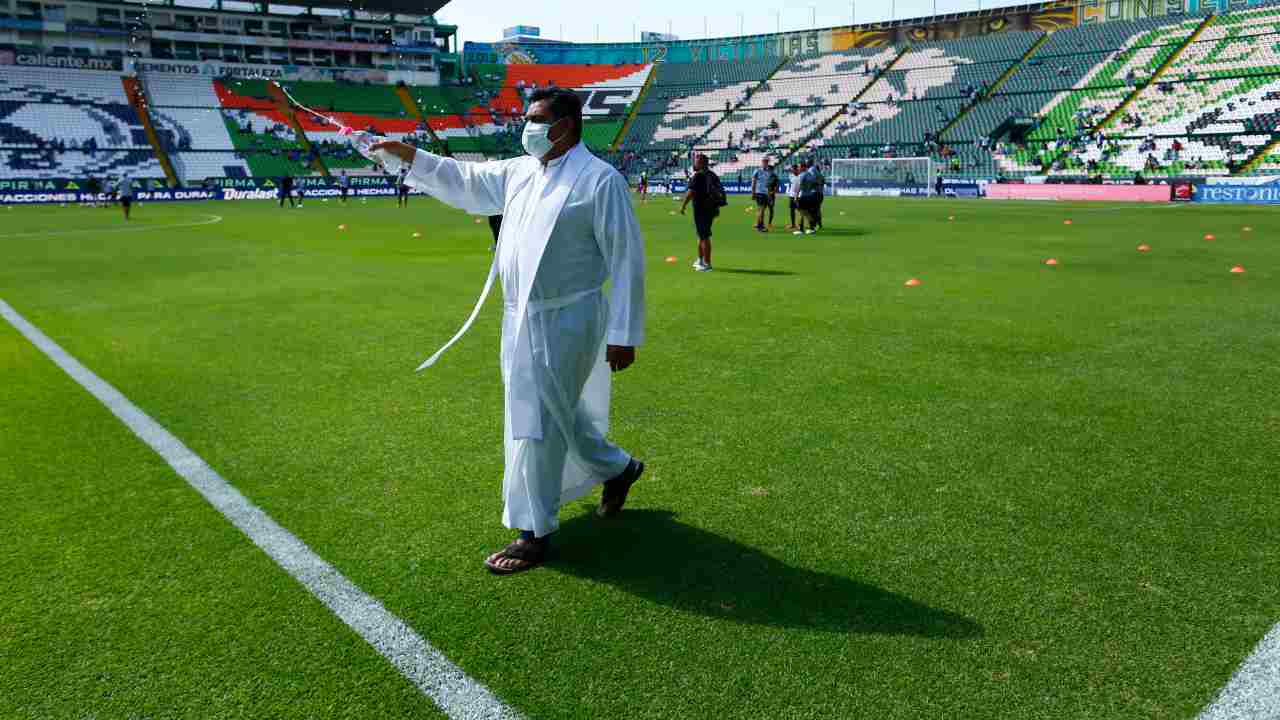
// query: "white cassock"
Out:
[566,229]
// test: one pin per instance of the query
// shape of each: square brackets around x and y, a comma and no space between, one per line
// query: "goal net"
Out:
[883,176]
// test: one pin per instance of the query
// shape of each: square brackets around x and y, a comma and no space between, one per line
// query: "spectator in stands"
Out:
[706,193]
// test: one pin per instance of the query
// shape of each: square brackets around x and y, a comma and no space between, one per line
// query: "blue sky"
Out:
[616,20]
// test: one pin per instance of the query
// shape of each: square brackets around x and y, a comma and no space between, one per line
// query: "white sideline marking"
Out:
[213,219]
[457,694]
[1254,691]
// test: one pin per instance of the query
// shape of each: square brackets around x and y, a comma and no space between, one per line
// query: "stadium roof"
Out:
[400,7]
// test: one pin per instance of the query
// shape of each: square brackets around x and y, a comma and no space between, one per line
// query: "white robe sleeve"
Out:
[618,234]
[476,187]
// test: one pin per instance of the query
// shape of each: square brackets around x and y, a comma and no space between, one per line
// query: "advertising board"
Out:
[1108,193]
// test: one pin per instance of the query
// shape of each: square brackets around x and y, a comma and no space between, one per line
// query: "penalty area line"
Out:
[444,683]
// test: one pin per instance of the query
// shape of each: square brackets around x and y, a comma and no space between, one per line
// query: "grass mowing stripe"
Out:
[457,694]
[1254,691]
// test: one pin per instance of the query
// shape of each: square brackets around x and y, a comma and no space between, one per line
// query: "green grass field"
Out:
[1015,491]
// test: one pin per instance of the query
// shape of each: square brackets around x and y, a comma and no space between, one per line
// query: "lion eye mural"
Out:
[67,123]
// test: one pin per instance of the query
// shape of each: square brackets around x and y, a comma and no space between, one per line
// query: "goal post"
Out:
[894,177]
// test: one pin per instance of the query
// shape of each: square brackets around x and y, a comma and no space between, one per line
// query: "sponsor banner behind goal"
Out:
[53,192]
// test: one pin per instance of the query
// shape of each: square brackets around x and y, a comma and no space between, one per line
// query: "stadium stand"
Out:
[1174,95]
[497,102]
[796,102]
[188,119]
[686,100]
[57,123]
[259,131]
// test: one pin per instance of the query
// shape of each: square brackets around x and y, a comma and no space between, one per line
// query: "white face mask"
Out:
[535,139]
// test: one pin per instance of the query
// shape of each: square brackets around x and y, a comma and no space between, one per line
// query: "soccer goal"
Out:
[893,177]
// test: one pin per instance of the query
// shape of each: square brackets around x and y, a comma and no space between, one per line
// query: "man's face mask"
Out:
[536,138]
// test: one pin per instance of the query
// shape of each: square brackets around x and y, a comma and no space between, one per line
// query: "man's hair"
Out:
[563,104]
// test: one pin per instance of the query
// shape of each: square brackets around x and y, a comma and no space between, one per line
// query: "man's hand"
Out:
[620,357]
[406,153]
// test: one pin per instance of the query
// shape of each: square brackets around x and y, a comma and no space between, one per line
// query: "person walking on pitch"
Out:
[402,188]
[774,183]
[761,181]
[285,190]
[793,196]
[820,182]
[124,187]
[707,195]
[807,199]
[568,227]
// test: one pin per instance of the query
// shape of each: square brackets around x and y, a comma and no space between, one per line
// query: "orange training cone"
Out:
[479,220]
[671,258]
[1237,268]
[417,234]
[1144,247]
[1248,229]
[1066,222]
[913,282]
[342,226]
[1051,261]
[951,217]
[1209,237]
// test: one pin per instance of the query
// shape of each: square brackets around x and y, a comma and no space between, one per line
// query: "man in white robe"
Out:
[568,226]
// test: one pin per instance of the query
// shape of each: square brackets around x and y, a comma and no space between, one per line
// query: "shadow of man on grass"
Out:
[651,554]
[747,271]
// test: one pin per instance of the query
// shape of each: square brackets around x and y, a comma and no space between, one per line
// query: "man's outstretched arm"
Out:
[476,187]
